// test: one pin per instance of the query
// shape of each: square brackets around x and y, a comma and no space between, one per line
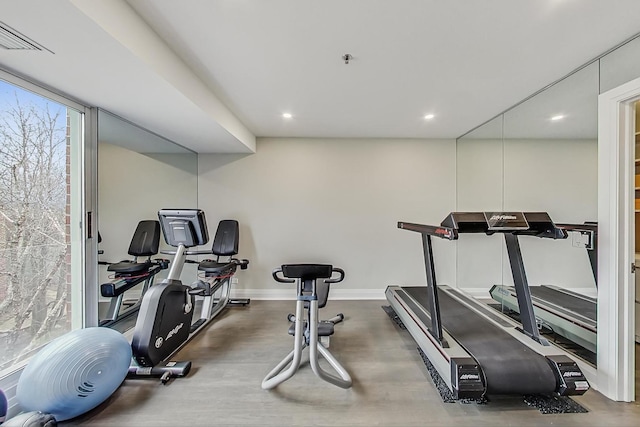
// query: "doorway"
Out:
[617,376]
[637,245]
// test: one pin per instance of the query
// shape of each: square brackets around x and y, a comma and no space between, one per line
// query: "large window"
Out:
[41,151]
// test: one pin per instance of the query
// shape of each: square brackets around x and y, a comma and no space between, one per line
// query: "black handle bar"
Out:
[337,279]
[279,279]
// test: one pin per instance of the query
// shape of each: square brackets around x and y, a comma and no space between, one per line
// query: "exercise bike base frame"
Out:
[166,319]
[282,373]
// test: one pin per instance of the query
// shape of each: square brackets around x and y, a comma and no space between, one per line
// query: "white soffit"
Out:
[97,69]
[463,61]
[211,74]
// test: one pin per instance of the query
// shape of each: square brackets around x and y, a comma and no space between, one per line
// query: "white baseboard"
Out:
[354,294]
[290,294]
[480,293]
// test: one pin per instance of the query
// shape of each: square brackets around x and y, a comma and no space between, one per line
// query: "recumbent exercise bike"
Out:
[164,324]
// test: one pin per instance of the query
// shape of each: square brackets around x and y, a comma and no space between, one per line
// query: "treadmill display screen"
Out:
[506,221]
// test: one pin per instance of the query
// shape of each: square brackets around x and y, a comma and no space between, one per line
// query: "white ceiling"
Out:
[214,74]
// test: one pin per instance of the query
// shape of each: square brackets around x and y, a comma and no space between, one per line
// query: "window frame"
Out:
[86,314]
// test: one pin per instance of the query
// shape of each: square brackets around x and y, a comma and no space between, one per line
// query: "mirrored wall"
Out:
[139,173]
[542,155]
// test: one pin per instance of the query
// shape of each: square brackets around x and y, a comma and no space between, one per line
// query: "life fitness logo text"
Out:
[502,217]
[469,377]
[444,232]
[171,333]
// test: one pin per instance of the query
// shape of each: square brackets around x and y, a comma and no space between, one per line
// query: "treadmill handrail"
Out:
[431,230]
[426,231]
[586,227]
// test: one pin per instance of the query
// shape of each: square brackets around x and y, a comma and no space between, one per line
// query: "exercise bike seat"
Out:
[129,267]
[145,242]
[213,266]
[308,273]
[225,244]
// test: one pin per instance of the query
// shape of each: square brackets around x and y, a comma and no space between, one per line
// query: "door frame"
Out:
[616,230]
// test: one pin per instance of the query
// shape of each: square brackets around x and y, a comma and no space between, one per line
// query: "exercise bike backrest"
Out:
[225,242]
[145,242]
[307,275]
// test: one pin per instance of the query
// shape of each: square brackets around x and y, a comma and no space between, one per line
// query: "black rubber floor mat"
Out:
[392,314]
[441,386]
[554,404]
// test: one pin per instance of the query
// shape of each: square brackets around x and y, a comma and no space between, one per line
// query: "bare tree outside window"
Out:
[34,229]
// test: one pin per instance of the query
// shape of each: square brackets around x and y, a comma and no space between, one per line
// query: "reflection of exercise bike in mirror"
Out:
[128,274]
[165,321]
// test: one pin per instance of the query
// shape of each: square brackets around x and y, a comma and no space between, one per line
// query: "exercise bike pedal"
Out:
[197,292]
[164,379]
[166,372]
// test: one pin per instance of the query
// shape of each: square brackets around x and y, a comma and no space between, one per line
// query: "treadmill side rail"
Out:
[415,318]
[570,380]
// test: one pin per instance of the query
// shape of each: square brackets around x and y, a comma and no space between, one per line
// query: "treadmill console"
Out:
[506,221]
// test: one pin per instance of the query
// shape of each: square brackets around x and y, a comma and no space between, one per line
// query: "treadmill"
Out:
[476,350]
[566,313]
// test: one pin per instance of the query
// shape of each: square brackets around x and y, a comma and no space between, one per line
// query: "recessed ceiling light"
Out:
[556,118]
[287,115]
[429,116]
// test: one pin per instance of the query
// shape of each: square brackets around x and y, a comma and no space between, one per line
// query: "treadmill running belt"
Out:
[566,301]
[509,366]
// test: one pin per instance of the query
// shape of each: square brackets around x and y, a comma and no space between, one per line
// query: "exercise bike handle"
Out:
[277,278]
[337,279]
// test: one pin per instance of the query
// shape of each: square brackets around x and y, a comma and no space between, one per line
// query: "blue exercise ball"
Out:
[75,372]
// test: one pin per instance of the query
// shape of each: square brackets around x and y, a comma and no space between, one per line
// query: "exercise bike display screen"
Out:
[184,226]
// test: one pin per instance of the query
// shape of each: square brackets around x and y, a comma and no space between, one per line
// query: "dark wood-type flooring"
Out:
[391,384]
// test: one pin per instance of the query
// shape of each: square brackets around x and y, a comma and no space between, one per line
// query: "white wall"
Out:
[480,187]
[333,201]
[556,176]
[338,201]
[559,177]
[132,187]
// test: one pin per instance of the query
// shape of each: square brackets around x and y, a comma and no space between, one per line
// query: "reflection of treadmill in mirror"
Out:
[568,314]
[476,350]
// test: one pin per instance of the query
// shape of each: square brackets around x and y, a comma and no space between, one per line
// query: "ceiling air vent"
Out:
[14,40]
